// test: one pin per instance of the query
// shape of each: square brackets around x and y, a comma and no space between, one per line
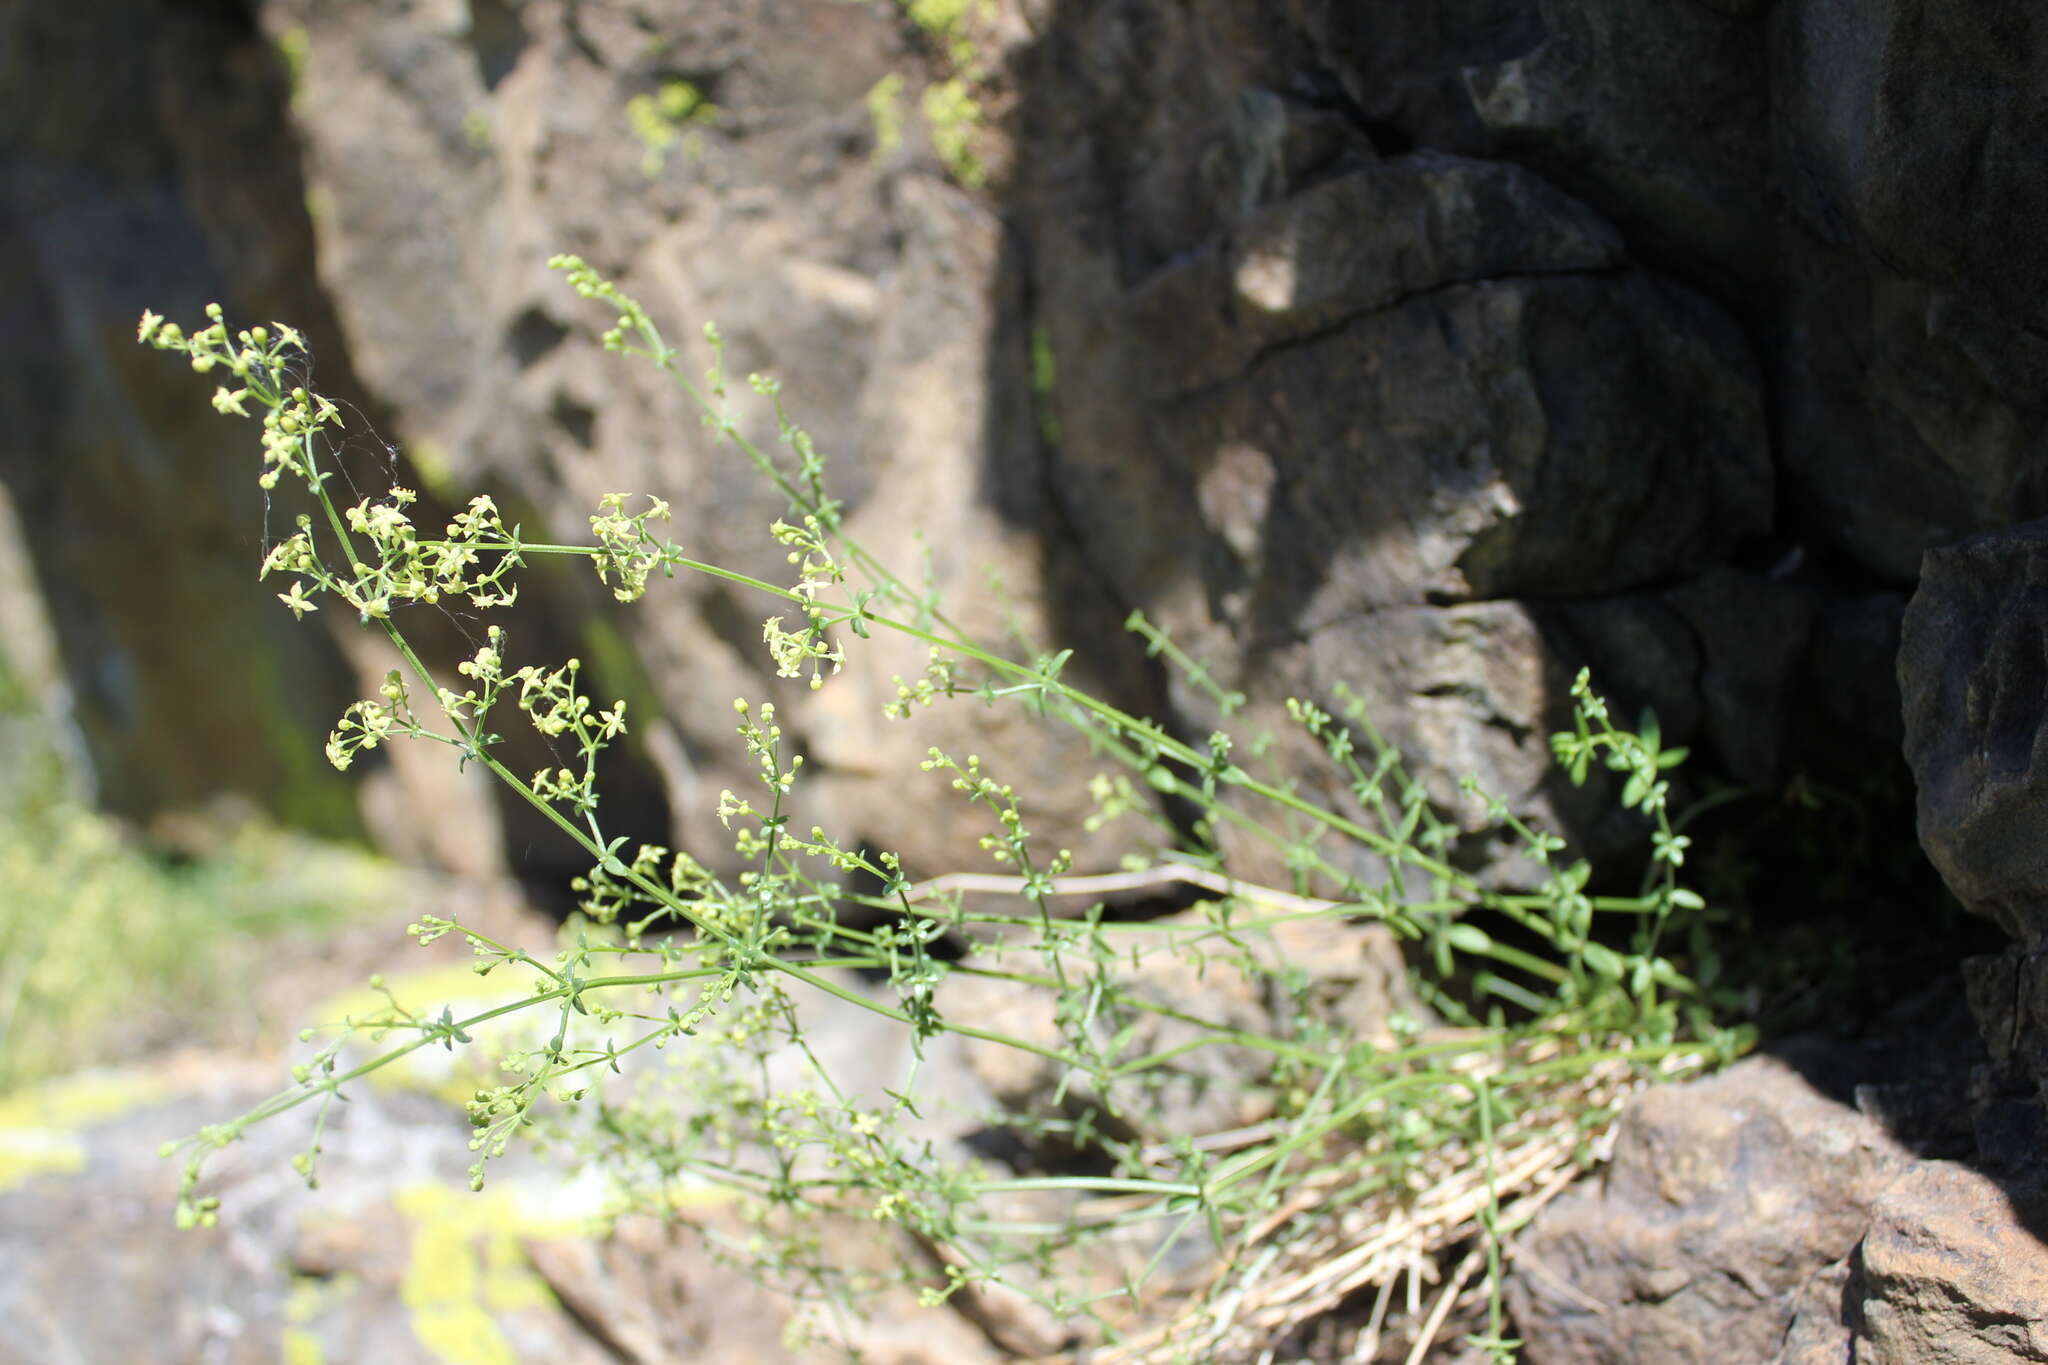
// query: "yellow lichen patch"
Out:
[885,112]
[300,1347]
[313,1297]
[955,118]
[661,118]
[31,1152]
[40,1126]
[466,1266]
[297,1342]
[510,1283]
[82,1100]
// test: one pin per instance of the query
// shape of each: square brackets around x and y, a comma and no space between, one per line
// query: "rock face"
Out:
[1752,1217]
[1420,353]
[1973,669]
[1723,1225]
[1435,350]
[115,172]
[1919,420]
[1953,1270]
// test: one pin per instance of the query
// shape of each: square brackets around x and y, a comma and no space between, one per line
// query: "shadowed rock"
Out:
[1973,672]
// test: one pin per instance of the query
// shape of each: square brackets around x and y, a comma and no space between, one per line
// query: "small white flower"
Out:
[297,601]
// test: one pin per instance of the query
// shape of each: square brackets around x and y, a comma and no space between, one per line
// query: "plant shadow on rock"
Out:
[1424,426]
[1333,400]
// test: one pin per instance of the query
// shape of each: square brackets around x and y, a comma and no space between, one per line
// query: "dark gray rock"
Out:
[1914,363]
[1353,245]
[1539,437]
[1852,666]
[1973,665]
[2008,997]
[1916,121]
[1973,674]
[1912,411]
[1475,402]
[121,120]
[1659,117]
[1753,633]
[1552,427]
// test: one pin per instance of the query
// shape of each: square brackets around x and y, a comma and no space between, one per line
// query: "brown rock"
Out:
[1953,1271]
[1728,1206]
[656,1293]
[866,283]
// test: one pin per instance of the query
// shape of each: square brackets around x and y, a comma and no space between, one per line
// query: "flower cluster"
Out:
[935,682]
[261,360]
[794,651]
[629,552]
[366,724]
[557,708]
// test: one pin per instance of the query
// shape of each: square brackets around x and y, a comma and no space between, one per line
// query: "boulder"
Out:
[1912,409]
[1953,1270]
[1973,658]
[1912,121]
[1354,244]
[1722,1229]
[1518,418]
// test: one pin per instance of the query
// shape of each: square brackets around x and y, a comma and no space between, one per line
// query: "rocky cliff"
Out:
[1433,349]
[1436,350]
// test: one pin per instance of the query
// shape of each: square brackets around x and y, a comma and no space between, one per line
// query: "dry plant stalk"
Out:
[1301,1261]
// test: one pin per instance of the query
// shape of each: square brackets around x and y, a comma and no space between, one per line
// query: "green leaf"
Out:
[1468,938]
[1603,960]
